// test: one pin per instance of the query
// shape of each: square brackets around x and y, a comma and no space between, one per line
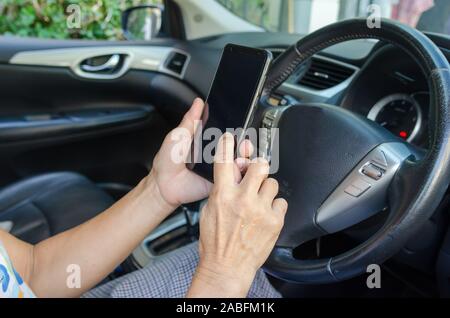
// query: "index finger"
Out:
[224,159]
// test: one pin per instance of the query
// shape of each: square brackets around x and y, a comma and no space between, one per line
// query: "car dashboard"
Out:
[367,77]
[387,88]
[373,79]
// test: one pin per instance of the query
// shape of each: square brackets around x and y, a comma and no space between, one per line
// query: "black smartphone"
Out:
[231,101]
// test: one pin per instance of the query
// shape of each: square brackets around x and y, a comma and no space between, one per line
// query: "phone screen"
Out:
[232,93]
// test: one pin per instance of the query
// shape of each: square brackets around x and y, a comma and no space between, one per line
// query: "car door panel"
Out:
[53,118]
[62,124]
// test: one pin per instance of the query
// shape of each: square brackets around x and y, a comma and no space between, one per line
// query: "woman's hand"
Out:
[238,227]
[176,183]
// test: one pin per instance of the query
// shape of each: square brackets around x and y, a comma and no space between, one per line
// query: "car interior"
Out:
[81,120]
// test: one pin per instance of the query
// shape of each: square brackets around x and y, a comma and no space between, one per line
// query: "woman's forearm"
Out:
[99,245]
[215,280]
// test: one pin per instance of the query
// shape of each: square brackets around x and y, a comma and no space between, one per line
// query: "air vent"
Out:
[323,74]
[176,62]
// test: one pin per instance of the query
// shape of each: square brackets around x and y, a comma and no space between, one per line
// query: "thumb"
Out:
[191,118]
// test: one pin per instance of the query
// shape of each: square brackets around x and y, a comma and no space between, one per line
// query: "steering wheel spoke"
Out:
[364,192]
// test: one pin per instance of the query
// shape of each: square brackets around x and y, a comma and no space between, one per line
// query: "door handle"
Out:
[108,66]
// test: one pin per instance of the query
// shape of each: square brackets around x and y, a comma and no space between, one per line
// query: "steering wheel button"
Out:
[361,184]
[357,188]
[380,158]
[372,171]
[353,191]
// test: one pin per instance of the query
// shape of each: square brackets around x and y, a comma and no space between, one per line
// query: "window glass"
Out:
[305,16]
[65,19]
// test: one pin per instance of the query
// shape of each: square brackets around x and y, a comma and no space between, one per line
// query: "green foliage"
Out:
[100,19]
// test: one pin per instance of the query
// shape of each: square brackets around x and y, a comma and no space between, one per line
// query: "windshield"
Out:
[305,16]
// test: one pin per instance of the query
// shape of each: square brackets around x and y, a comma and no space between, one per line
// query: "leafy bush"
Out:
[100,19]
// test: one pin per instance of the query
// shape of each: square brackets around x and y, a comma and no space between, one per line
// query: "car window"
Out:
[61,19]
[305,16]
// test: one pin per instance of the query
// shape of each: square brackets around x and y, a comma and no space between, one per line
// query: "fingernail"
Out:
[227,135]
[198,100]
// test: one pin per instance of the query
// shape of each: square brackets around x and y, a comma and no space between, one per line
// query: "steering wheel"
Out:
[337,169]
